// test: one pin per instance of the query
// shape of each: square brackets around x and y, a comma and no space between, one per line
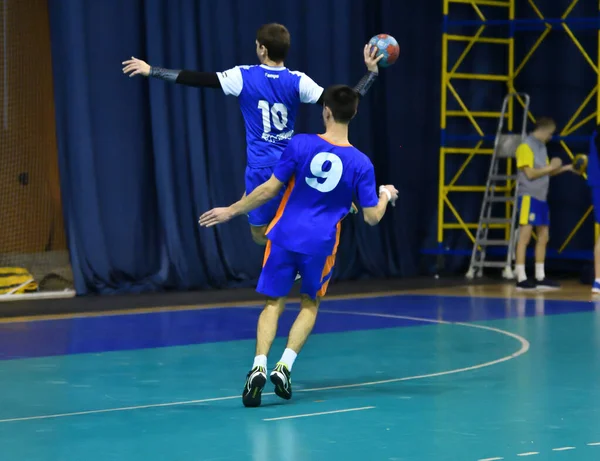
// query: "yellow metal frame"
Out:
[513,71]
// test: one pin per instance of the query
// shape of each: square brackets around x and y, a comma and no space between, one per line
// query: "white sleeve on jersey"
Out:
[310,92]
[231,81]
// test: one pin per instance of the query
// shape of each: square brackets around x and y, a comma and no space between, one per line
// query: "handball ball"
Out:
[580,163]
[388,46]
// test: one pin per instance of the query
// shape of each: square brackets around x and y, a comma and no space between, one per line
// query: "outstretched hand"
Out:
[371,58]
[135,66]
[215,216]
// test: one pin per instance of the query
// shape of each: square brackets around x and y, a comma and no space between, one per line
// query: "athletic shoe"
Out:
[546,284]
[255,383]
[526,285]
[596,288]
[280,376]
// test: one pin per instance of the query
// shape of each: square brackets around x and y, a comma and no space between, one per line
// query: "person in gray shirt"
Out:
[533,178]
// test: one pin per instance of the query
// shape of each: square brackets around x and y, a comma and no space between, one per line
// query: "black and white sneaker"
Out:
[280,377]
[526,285]
[546,284]
[255,383]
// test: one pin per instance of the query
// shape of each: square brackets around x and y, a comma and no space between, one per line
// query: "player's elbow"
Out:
[529,173]
[371,217]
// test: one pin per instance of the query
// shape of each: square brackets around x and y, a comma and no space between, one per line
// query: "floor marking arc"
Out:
[524,348]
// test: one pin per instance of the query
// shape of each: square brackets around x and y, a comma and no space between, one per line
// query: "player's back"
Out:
[325,179]
[269,99]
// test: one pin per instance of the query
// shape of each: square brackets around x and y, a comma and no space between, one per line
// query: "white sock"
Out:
[597,281]
[539,271]
[288,357]
[260,361]
[520,270]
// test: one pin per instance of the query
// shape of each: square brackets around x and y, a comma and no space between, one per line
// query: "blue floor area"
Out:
[391,378]
[178,328]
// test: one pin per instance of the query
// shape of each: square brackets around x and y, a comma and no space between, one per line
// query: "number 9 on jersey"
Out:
[325,180]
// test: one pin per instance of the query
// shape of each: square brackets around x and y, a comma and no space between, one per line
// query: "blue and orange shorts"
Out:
[281,266]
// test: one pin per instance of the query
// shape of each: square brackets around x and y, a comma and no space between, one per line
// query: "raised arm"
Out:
[230,81]
[187,77]
[365,83]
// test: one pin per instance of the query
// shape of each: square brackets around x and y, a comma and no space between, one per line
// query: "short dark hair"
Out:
[276,39]
[342,101]
[543,123]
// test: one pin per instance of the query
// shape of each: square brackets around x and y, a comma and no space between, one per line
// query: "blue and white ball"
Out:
[388,46]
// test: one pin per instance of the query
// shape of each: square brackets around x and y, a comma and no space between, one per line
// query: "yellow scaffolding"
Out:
[448,181]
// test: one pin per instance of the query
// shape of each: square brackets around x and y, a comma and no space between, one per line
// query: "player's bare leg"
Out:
[265,335]
[596,286]
[524,239]
[267,325]
[543,236]
[303,325]
[299,333]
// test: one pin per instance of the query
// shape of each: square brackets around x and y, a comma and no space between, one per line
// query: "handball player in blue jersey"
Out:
[321,174]
[269,95]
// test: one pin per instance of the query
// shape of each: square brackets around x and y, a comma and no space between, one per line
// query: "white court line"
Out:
[307,415]
[111,410]
[533,453]
[522,350]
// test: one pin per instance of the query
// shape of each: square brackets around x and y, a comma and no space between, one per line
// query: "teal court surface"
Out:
[405,377]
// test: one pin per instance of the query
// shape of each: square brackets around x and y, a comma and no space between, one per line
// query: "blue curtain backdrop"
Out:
[140,160]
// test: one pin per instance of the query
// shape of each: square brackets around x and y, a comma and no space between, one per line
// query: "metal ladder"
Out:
[505,147]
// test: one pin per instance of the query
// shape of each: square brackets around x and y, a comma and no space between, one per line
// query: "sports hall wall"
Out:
[139,161]
[31,217]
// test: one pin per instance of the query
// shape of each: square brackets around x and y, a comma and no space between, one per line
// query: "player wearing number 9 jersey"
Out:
[269,95]
[322,174]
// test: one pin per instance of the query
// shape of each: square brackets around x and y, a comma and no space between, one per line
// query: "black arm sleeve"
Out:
[186,77]
[198,79]
[362,87]
[365,83]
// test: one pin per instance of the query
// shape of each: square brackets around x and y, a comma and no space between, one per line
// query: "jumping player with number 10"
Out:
[320,175]
[269,95]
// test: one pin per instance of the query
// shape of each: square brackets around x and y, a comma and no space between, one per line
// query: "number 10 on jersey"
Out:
[277,113]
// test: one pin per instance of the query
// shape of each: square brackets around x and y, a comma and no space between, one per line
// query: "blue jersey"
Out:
[593,167]
[322,179]
[269,98]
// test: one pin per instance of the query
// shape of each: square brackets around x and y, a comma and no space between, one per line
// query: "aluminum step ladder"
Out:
[505,147]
